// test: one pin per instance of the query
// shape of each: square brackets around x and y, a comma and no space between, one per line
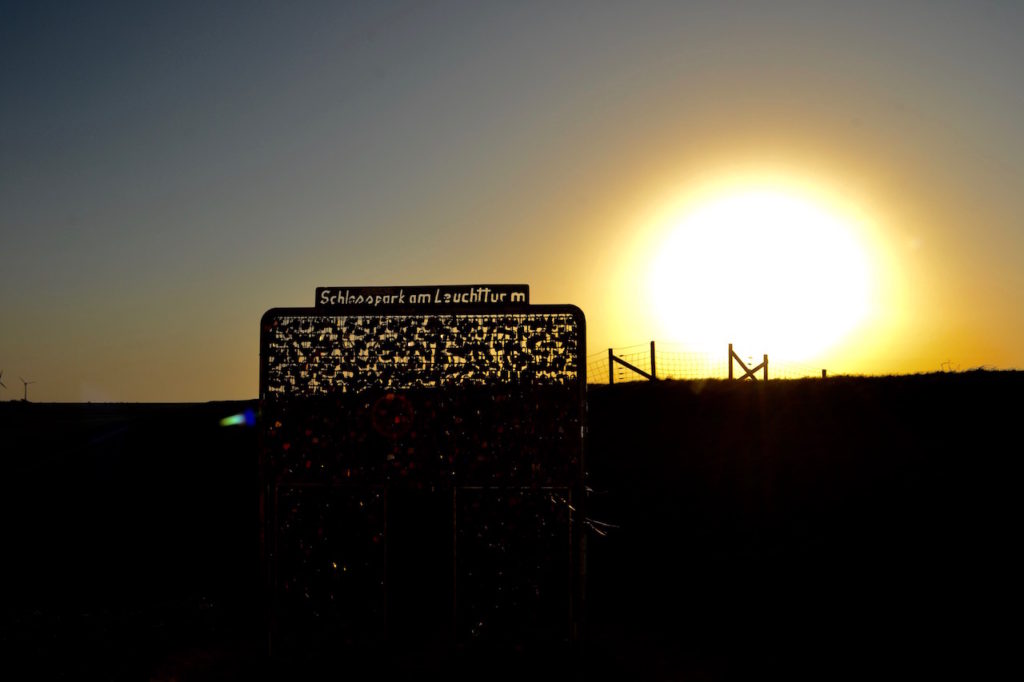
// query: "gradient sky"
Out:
[169,171]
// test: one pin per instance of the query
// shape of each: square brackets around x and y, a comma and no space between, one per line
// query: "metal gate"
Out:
[421,475]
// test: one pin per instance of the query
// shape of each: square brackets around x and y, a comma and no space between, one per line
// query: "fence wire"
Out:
[673,361]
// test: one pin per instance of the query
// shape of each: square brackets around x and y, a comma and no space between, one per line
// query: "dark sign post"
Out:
[422,470]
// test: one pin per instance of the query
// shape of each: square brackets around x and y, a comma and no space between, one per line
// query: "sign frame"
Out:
[269,483]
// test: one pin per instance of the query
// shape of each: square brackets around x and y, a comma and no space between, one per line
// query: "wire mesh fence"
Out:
[676,361]
[792,370]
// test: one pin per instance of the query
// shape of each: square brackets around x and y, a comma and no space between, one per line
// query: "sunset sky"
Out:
[169,171]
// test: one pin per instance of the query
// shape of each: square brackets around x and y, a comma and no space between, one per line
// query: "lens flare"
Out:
[247,418]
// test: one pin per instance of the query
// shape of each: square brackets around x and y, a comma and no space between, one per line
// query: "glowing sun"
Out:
[768,271]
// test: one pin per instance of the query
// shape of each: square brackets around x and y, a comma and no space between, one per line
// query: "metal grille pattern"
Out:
[420,473]
[318,355]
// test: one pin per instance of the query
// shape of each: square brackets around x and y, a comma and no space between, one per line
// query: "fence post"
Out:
[654,374]
[611,368]
[824,374]
[766,367]
[730,361]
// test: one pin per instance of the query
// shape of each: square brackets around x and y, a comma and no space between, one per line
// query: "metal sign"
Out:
[422,472]
[488,295]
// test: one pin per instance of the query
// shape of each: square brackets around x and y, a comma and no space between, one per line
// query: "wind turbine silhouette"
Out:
[26,383]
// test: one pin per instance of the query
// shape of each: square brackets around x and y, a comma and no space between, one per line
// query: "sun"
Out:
[769,271]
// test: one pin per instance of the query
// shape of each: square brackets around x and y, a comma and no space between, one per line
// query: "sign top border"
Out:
[440,311]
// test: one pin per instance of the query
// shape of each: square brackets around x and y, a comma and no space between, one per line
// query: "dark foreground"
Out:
[832,528]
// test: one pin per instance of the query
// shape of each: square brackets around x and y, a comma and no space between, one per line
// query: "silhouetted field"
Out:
[845,527]
[849,526]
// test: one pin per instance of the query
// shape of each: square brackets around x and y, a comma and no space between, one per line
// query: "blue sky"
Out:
[168,171]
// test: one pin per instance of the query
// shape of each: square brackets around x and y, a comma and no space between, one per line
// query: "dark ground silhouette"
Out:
[846,527]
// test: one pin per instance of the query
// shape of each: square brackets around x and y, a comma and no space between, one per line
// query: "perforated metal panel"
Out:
[421,475]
